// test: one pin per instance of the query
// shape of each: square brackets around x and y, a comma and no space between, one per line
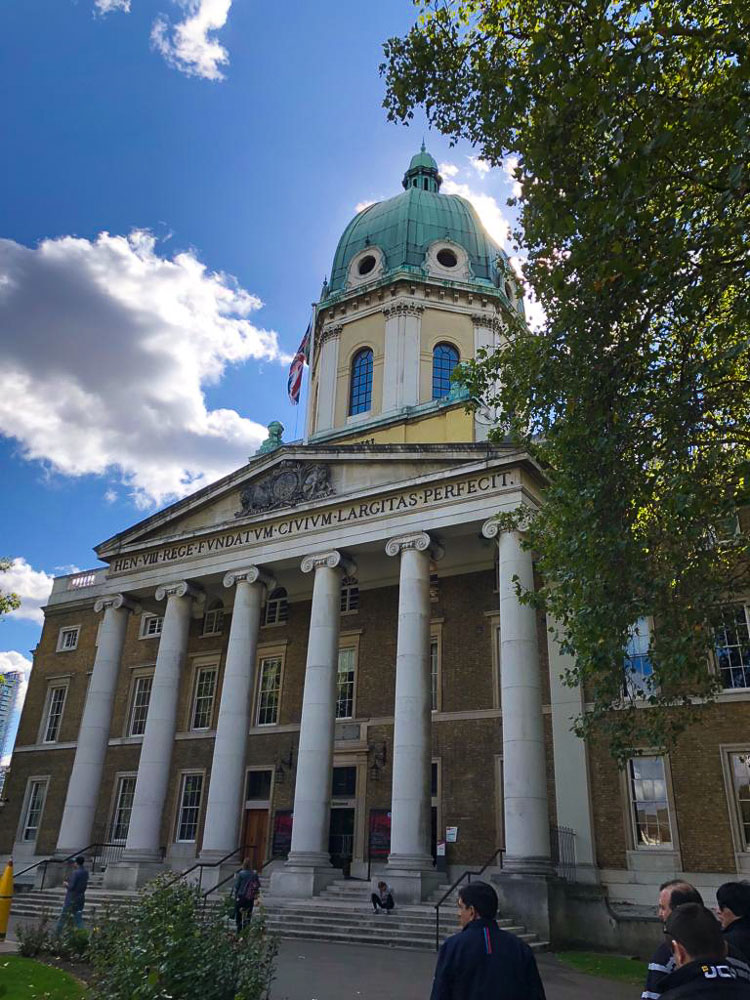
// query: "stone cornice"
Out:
[333,559]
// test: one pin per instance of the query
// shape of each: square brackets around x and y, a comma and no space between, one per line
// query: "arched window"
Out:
[444,360]
[213,620]
[277,608]
[360,394]
[349,594]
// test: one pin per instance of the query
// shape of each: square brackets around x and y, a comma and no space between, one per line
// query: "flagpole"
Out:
[309,416]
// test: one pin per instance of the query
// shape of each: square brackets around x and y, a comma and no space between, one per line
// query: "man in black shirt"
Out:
[733,899]
[699,950]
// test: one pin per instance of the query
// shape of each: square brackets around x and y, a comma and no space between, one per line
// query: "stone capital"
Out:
[250,574]
[180,588]
[333,559]
[418,540]
[403,308]
[115,601]
[488,323]
[493,528]
[331,332]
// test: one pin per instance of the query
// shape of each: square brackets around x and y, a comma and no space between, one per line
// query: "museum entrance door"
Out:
[255,839]
[341,838]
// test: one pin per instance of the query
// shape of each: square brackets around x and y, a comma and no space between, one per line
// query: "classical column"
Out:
[93,736]
[225,791]
[308,868]
[403,326]
[524,773]
[327,369]
[156,752]
[412,732]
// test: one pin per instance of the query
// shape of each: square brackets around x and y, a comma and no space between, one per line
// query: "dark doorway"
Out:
[341,838]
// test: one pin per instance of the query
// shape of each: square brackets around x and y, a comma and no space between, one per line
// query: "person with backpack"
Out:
[244,892]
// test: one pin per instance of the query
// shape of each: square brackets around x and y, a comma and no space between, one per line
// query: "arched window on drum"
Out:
[360,392]
[444,360]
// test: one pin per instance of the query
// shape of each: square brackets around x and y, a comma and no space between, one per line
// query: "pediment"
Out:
[293,478]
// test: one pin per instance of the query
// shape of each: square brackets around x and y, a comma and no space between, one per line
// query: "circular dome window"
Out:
[366,264]
[447,258]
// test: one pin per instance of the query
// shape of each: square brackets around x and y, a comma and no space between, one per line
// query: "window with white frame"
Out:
[213,620]
[203,698]
[434,671]
[123,808]
[345,683]
[139,702]
[349,594]
[151,626]
[733,647]
[67,638]
[740,767]
[637,664]
[277,608]
[36,794]
[649,802]
[191,793]
[269,691]
[53,712]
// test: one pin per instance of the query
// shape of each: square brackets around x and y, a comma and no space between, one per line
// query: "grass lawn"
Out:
[619,967]
[23,977]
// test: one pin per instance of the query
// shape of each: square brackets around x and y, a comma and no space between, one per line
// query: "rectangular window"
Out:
[277,608]
[213,622]
[259,785]
[344,782]
[151,625]
[203,699]
[434,664]
[740,764]
[190,807]
[638,667]
[67,639]
[123,809]
[349,595]
[345,682]
[648,798]
[139,705]
[269,691]
[34,807]
[733,647]
[53,713]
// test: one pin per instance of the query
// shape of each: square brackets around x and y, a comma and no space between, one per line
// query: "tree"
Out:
[8,601]
[631,125]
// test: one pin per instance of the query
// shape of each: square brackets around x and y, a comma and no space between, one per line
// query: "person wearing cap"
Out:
[75,897]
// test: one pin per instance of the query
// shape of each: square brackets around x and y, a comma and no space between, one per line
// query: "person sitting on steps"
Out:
[383,898]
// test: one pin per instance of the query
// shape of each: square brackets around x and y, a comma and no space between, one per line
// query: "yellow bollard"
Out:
[6,897]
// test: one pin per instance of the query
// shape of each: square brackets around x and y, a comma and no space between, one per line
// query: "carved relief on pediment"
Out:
[291,483]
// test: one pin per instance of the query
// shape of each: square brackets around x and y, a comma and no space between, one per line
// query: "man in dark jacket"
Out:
[671,895]
[699,951]
[75,897]
[482,962]
[733,899]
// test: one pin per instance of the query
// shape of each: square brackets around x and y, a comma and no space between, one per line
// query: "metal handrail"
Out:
[224,881]
[61,861]
[202,865]
[469,872]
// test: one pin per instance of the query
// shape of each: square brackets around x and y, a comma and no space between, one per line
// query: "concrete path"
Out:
[308,970]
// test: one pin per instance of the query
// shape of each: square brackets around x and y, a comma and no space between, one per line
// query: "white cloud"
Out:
[482,167]
[32,586]
[509,165]
[533,309]
[11,661]
[448,169]
[107,6]
[106,349]
[487,209]
[110,496]
[362,205]
[190,45]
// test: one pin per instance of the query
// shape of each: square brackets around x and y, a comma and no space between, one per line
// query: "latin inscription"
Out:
[291,526]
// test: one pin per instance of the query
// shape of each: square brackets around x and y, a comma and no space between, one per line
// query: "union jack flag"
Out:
[300,359]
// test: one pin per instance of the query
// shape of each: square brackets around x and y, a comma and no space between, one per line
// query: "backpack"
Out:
[249,889]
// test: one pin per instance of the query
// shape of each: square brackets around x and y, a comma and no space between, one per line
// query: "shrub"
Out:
[33,938]
[161,946]
[72,945]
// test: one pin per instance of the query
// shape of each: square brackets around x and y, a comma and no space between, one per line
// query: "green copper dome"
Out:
[403,229]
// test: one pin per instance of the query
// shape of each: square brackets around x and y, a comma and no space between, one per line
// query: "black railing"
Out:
[464,875]
[99,855]
[201,865]
[563,851]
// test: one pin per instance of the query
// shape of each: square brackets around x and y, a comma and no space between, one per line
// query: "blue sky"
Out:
[175,177]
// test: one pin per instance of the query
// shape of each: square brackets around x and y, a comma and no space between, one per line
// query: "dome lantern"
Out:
[423,172]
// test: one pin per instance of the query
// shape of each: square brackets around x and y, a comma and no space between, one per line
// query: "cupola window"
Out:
[444,360]
[366,264]
[447,257]
[360,394]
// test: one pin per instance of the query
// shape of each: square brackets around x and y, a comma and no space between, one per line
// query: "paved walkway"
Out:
[308,970]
